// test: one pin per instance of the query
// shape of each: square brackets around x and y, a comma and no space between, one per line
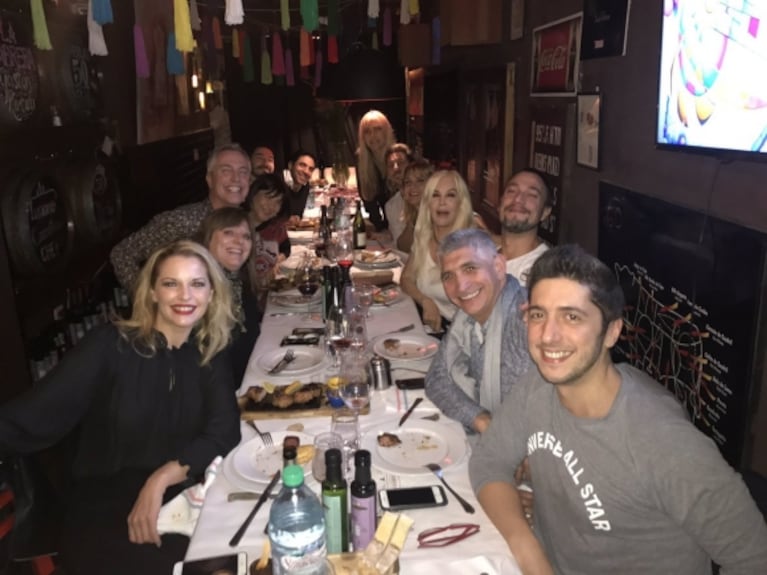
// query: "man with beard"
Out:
[624,482]
[300,169]
[483,355]
[262,160]
[525,203]
[398,157]
[228,178]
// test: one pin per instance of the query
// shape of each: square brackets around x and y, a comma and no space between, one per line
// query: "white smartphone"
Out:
[234,564]
[412,497]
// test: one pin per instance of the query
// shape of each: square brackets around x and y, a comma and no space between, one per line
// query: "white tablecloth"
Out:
[485,552]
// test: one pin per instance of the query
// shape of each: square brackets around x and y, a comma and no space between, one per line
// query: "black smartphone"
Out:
[308,339]
[235,564]
[309,331]
[412,497]
[411,383]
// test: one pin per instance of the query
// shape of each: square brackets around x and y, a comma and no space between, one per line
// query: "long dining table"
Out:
[483,553]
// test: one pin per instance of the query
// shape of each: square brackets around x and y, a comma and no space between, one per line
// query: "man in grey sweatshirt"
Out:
[624,482]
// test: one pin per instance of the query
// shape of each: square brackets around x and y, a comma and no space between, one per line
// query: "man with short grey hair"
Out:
[485,352]
[228,177]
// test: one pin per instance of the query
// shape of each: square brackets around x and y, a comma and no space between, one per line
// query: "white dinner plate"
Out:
[254,461]
[408,346]
[422,442]
[296,300]
[385,261]
[388,296]
[307,360]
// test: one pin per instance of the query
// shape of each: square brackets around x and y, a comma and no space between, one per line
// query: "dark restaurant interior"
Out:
[119,142]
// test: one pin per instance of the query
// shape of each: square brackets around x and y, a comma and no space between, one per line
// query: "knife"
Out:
[246,496]
[409,412]
[264,496]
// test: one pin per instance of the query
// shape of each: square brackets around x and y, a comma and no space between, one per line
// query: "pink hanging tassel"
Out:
[290,78]
[332,50]
[318,68]
[218,42]
[139,49]
[387,27]
[278,55]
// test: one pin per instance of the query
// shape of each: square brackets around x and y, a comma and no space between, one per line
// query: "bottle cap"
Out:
[362,458]
[293,476]
[332,457]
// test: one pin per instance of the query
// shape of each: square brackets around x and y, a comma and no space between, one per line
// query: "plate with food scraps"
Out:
[408,449]
[296,300]
[257,462]
[386,296]
[306,360]
[399,346]
[376,260]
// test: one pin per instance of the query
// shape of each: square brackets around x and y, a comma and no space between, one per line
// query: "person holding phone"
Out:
[152,399]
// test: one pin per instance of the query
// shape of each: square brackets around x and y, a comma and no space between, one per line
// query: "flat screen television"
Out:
[713,76]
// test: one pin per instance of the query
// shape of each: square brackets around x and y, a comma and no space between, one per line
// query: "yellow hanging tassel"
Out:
[40,26]
[415,8]
[183,26]
[235,44]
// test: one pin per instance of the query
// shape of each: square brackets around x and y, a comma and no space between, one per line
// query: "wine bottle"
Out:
[334,500]
[360,234]
[363,492]
[325,233]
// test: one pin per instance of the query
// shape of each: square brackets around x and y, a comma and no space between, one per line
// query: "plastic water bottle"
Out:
[297,528]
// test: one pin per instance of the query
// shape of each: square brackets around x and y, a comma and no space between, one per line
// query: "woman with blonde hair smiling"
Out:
[375,136]
[152,399]
[445,207]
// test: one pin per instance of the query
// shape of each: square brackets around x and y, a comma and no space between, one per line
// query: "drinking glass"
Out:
[338,333]
[307,279]
[346,423]
[344,250]
[323,442]
[362,294]
[355,390]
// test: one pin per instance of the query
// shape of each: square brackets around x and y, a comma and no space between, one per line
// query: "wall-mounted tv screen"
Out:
[713,75]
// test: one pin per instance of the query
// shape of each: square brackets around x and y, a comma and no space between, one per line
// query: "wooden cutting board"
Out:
[318,407]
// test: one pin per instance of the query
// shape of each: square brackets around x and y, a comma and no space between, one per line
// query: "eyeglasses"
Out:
[455,532]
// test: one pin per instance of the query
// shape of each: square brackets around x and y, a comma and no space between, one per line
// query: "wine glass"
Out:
[344,250]
[307,279]
[355,390]
[338,333]
[363,296]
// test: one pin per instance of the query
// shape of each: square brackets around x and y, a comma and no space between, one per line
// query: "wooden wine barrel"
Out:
[38,230]
[93,196]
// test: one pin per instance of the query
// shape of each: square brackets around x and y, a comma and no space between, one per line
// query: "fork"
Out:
[289,356]
[437,470]
[266,437]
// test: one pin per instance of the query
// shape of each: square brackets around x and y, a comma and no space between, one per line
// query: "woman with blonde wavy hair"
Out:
[375,136]
[445,207]
[152,399]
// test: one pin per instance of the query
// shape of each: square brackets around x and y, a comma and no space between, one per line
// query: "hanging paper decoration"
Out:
[102,12]
[404,12]
[242,36]
[285,14]
[372,23]
[182,26]
[310,15]
[248,73]
[278,56]
[304,57]
[40,26]
[209,45]
[174,60]
[194,16]
[387,27]
[436,41]
[414,8]
[374,40]
[139,51]
[266,65]
[96,43]
[290,77]
[318,68]
[218,41]
[334,17]
[235,45]
[374,8]
[332,50]
[234,14]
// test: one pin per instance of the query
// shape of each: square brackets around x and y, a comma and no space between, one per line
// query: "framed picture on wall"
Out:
[588,124]
[556,56]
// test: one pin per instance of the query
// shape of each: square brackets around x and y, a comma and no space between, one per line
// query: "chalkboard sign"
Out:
[693,287]
[77,79]
[548,137]
[18,70]
[38,229]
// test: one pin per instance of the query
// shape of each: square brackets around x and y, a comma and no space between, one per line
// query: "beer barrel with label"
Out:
[38,229]
[93,195]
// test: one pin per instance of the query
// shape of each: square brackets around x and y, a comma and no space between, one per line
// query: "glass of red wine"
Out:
[307,279]
[338,334]
[344,250]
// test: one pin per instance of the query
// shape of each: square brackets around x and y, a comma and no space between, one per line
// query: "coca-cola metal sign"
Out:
[556,53]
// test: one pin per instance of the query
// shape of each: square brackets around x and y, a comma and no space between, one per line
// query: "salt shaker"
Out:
[380,372]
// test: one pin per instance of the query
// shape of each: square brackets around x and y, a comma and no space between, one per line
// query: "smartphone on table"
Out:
[233,564]
[412,497]
[411,383]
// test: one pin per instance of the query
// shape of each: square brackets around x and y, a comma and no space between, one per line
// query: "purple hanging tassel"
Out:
[318,67]
[139,49]
[278,54]
[290,79]
[436,41]
[387,27]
